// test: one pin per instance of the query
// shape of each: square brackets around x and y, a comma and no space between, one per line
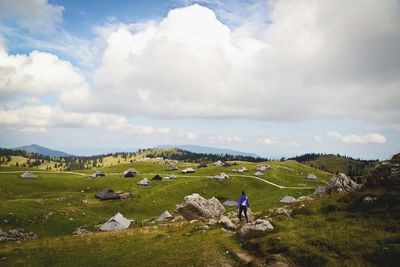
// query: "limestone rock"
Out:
[319,191]
[16,234]
[257,225]
[227,223]
[338,184]
[341,183]
[368,200]
[304,198]
[212,222]
[195,207]
[280,211]
[80,231]
[385,173]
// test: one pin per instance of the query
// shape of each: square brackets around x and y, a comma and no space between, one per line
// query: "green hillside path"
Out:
[246,176]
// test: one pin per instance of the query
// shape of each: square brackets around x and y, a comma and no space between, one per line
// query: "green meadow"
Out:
[56,203]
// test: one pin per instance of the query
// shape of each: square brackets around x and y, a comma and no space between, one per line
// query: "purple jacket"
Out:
[242,199]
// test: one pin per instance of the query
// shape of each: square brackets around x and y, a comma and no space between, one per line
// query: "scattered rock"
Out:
[257,225]
[304,198]
[280,211]
[80,231]
[16,234]
[244,257]
[319,191]
[227,223]
[278,264]
[385,173]
[221,176]
[338,184]
[204,227]
[287,199]
[368,200]
[197,207]
[212,222]
[227,231]
[341,183]
[233,215]
[177,218]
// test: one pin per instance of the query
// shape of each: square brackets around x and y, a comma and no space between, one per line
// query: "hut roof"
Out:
[164,215]
[107,193]
[130,172]
[116,222]
[157,177]
[311,176]
[144,182]
[28,175]
[287,199]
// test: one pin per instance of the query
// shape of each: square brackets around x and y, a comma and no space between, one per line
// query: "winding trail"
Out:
[114,173]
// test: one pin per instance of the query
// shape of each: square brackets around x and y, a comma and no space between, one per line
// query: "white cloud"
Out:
[35,119]
[357,139]
[269,141]
[309,62]
[313,60]
[225,139]
[318,138]
[39,74]
[274,141]
[190,136]
[36,15]
[34,130]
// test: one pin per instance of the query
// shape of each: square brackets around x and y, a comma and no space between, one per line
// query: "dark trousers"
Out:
[244,209]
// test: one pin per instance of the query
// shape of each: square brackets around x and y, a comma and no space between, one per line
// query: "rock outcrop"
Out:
[258,225]
[227,223]
[341,183]
[338,184]
[195,207]
[16,234]
[80,231]
[385,173]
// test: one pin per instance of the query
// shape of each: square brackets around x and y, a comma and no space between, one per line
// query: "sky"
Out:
[276,78]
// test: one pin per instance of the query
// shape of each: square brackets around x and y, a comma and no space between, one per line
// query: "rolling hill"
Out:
[337,163]
[210,150]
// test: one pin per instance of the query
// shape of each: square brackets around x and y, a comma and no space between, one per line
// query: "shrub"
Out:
[307,257]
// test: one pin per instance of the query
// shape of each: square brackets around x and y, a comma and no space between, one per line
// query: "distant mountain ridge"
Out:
[33,148]
[210,150]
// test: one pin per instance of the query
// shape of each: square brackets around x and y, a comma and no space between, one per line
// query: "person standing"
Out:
[243,205]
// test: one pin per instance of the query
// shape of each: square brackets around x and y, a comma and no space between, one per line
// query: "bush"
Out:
[308,257]
[386,255]
[306,210]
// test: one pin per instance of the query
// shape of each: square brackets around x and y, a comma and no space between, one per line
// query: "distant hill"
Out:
[210,150]
[336,163]
[42,151]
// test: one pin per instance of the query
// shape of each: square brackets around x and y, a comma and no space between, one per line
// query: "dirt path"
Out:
[150,174]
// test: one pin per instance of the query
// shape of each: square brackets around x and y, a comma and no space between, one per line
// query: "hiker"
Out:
[243,205]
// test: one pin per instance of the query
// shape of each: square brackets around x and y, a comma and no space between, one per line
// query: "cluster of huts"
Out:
[119,222]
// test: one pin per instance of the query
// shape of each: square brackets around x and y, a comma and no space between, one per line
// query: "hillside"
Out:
[332,231]
[56,203]
[210,150]
[42,151]
[336,163]
[359,228]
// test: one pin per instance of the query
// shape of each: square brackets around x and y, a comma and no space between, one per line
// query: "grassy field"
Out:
[165,245]
[53,206]
[337,231]
[333,164]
